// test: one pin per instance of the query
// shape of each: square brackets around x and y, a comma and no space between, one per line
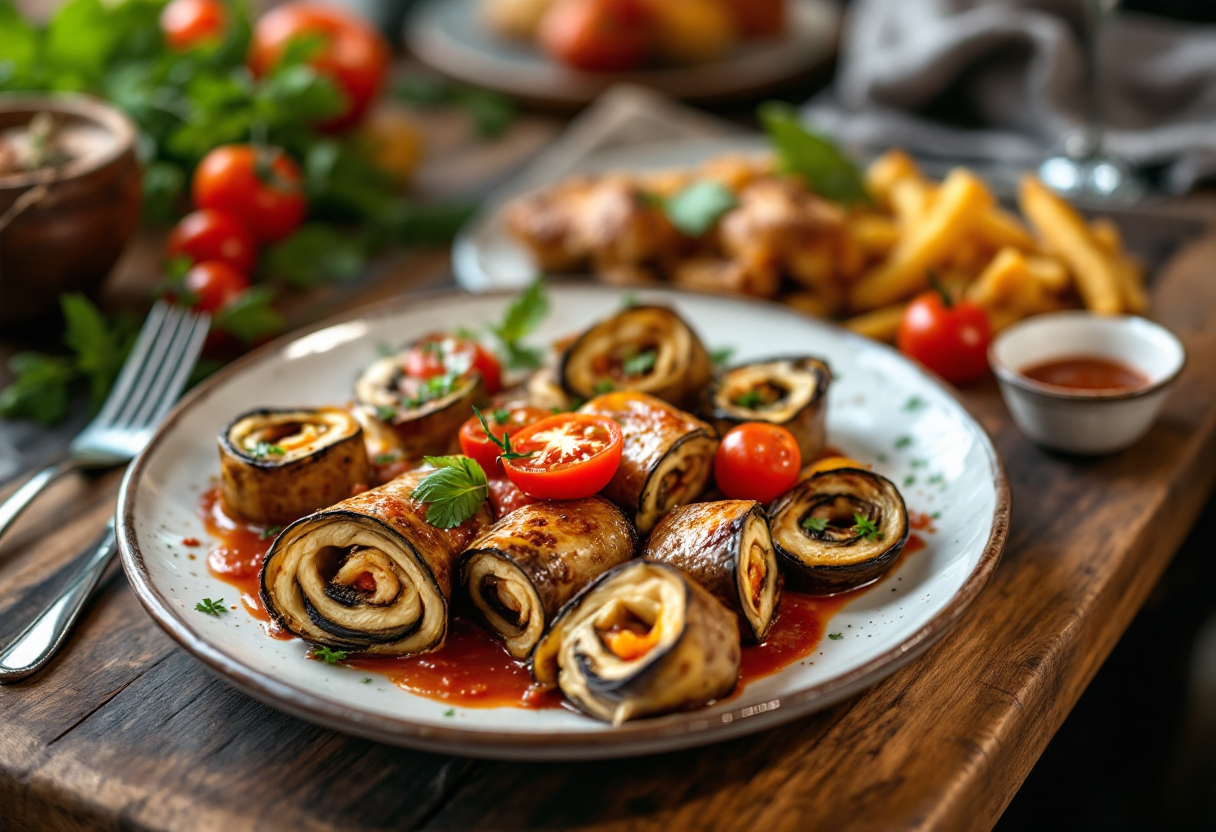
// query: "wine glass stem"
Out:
[1097,12]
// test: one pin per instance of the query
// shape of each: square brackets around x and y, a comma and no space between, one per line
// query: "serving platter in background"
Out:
[451,36]
[881,408]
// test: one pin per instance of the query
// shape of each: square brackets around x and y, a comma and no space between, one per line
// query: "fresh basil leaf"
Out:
[101,346]
[40,389]
[250,316]
[695,209]
[454,492]
[825,168]
[316,254]
[523,316]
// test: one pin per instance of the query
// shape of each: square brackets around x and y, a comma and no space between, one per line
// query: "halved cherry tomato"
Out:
[215,284]
[475,444]
[214,235]
[572,455]
[949,337]
[191,23]
[757,461]
[506,497]
[437,354]
[351,51]
[258,186]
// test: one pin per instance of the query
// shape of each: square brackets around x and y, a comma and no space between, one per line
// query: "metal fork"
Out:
[151,380]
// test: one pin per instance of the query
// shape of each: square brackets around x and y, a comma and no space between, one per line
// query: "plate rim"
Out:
[671,732]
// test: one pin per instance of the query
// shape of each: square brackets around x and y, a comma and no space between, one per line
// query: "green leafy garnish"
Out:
[501,415]
[937,479]
[387,458]
[630,300]
[101,346]
[751,400]
[866,528]
[450,712]
[639,364]
[317,254]
[367,680]
[825,168]
[210,607]
[491,112]
[604,385]
[250,316]
[503,442]
[455,492]
[695,209]
[435,387]
[39,390]
[386,413]
[835,636]
[264,449]
[521,319]
[328,656]
[903,442]
[914,403]
[720,357]
[909,480]
[815,524]
[266,534]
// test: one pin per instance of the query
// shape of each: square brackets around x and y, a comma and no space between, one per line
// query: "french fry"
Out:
[911,199]
[999,228]
[926,244]
[874,233]
[850,257]
[1107,233]
[810,303]
[1048,271]
[1131,275]
[1096,273]
[888,169]
[879,324]
[1000,284]
[812,264]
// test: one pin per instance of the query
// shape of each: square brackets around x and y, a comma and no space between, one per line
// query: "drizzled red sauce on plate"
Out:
[473,669]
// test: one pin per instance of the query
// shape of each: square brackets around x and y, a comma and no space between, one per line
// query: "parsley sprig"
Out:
[266,534]
[521,319]
[866,528]
[454,492]
[815,524]
[265,449]
[639,364]
[324,654]
[503,442]
[210,607]
[751,400]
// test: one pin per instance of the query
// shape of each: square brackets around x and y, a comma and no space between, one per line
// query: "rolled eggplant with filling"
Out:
[790,392]
[838,530]
[425,413]
[278,465]
[725,547]
[666,458]
[649,349]
[641,640]
[519,572]
[368,574]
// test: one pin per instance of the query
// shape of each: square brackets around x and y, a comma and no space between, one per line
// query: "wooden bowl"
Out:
[62,229]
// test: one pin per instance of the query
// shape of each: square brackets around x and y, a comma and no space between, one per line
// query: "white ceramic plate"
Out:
[450,36]
[881,408]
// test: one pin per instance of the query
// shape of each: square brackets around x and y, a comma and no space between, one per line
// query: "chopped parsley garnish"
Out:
[210,607]
[909,480]
[640,364]
[503,442]
[937,479]
[751,400]
[385,413]
[385,350]
[501,415]
[936,515]
[903,442]
[835,636]
[266,534]
[324,654]
[264,449]
[815,524]
[919,463]
[604,385]
[450,712]
[721,356]
[914,403]
[435,387]
[630,300]
[455,492]
[696,208]
[387,458]
[367,680]
[521,319]
[866,528]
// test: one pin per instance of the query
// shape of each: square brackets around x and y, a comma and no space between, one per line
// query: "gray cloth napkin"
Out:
[1014,70]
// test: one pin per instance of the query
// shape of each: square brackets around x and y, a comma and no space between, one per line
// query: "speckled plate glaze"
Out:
[881,408]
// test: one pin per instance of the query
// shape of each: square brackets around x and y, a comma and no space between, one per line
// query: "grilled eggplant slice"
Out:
[726,548]
[641,640]
[791,392]
[368,574]
[839,530]
[645,348]
[520,571]
[666,460]
[424,413]
[278,465]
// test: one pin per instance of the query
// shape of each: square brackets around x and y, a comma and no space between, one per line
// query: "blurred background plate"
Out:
[451,36]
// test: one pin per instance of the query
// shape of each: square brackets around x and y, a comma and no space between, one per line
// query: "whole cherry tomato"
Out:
[214,235]
[597,35]
[351,52]
[475,444]
[215,284]
[757,461]
[188,24]
[569,456]
[437,354]
[950,338]
[258,186]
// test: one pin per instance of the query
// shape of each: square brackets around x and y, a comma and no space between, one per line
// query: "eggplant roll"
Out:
[641,640]
[368,574]
[791,392]
[520,571]
[666,459]
[726,548]
[278,465]
[645,348]
[838,530]
[425,414]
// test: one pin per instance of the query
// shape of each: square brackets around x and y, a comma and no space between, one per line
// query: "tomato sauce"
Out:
[473,668]
[1085,373]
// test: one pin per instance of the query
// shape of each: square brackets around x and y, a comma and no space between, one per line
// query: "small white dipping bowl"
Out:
[1085,421]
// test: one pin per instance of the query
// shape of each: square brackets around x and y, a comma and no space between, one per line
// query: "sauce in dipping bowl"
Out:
[1085,383]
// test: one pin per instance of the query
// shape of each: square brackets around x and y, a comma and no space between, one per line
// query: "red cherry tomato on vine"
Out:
[351,52]
[572,455]
[435,355]
[596,35]
[258,186]
[215,284]
[950,338]
[213,235]
[191,23]
[475,444]
[757,461]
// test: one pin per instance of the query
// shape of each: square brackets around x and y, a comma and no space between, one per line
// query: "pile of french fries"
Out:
[956,229]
